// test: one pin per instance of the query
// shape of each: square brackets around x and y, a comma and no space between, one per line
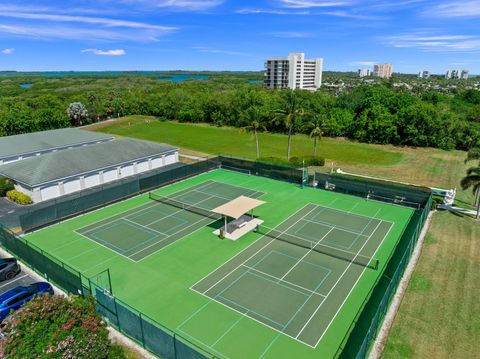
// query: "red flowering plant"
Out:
[56,327]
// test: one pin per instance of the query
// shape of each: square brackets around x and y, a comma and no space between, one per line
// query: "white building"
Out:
[294,72]
[364,72]
[383,71]
[424,74]
[457,74]
[63,172]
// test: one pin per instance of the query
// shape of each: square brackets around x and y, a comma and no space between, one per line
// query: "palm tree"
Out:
[472,180]
[473,155]
[290,114]
[316,132]
[252,116]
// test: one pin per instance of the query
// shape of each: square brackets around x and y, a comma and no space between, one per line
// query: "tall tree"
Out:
[77,113]
[252,116]
[472,180]
[316,131]
[290,114]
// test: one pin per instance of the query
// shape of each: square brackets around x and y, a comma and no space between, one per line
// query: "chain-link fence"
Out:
[153,336]
[390,192]
[49,212]
[164,342]
[43,263]
[368,321]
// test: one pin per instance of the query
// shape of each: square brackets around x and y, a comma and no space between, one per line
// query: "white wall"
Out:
[79,183]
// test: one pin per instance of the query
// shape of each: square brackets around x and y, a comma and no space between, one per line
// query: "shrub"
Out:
[275,161]
[294,161]
[309,161]
[6,185]
[19,197]
[56,327]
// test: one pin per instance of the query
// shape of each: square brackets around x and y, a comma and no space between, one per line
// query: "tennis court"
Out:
[138,233]
[296,277]
[290,290]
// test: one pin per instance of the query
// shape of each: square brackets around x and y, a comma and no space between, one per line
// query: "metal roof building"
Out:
[19,147]
[59,173]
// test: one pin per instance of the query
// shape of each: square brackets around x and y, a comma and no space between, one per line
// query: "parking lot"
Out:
[21,278]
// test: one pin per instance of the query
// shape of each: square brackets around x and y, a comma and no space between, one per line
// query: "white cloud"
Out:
[84,19]
[190,5]
[118,52]
[428,41]
[363,63]
[248,11]
[48,25]
[210,50]
[455,9]
[305,4]
[8,51]
[292,34]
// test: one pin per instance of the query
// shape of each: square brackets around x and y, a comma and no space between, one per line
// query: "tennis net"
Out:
[185,206]
[319,247]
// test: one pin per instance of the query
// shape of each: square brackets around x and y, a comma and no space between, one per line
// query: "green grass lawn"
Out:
[159,284]
[439,316]
[228,140]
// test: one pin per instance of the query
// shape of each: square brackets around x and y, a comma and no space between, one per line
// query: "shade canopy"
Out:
[238,207]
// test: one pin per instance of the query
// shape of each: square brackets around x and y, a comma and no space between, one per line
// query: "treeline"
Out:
[368,113]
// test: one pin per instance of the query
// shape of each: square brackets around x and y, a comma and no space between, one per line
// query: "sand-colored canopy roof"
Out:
[238,207]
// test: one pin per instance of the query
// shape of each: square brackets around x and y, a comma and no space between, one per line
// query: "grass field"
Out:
[439,316]
[243,312]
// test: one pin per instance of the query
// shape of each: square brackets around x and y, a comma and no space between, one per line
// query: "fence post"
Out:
[141,328]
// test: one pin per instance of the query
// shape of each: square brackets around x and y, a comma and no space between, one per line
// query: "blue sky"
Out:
[237,35]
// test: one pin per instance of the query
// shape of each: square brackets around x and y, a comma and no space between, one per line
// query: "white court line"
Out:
[210,299]
[13,281]
[179,211]
[142,208]
[335,226]
[355,285]
[282,280]
[336,283]
[306,254]
[254,254]
[141,225]
[204,218]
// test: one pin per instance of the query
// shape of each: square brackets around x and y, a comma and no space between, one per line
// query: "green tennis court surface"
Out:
[292,289]
[296,290]
[142,231]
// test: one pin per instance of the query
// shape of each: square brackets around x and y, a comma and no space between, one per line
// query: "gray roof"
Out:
[56,166]
[45,140]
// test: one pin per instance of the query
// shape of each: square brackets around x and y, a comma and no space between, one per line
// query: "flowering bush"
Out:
[56,327]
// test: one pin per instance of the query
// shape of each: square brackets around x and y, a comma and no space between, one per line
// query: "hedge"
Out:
[19,197]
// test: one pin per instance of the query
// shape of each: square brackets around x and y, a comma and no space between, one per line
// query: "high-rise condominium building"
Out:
[294,72]
[457,74]
[383,70]
[424,74]
[364,72]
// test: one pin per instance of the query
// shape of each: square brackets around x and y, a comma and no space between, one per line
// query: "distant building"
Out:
[294,72]
[424,74]
[457,74]
[364,72]
[383,71]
